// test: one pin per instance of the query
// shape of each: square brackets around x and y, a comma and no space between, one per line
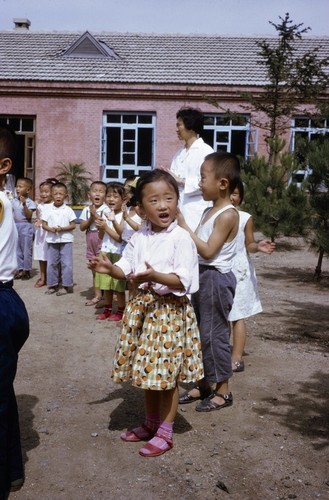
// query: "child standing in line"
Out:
[23,208]
[88,218]
[246,300]
[159,343]
[131,220]
[40,246]
[215,239]
[59,222]
[14,331]
[111,245]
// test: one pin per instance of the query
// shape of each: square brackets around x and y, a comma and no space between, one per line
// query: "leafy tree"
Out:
[77,180]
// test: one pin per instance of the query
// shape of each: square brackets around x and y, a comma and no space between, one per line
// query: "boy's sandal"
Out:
[141,433]
[18,275]
[209,405]
[39,283]
[50,291]
[154,451]
[238,366]
[187,398]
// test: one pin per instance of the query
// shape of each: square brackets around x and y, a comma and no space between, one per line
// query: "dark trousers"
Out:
[212,304]
[14,330]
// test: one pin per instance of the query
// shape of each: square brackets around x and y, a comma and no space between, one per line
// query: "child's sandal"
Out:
[150,450]
[141,433]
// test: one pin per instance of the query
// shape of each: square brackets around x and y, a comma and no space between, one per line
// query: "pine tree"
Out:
[292,80]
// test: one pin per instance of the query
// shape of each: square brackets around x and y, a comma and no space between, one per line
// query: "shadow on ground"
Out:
[305,413]
[29,436]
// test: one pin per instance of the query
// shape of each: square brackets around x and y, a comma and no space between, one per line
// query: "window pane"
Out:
[238,142]
[127,173]
[113,118]
[319,123]
[144,119]
[209,120]
[27,125]
[129,119]
[222,136]
[129,134]
[144,154]
[222,148]
[239,120]
[111,173]
[113,146]
[128,147]
[128,159]
[301,122]
[208,137]
[223,120]
[15,124]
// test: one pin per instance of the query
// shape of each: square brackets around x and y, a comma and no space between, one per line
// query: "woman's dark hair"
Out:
[192,119]
[154,176]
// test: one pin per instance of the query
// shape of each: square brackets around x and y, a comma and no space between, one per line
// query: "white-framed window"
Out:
[231,134]
[127,144]
[309,129]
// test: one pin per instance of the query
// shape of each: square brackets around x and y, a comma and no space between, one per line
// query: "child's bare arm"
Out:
[224,229]
[265,246]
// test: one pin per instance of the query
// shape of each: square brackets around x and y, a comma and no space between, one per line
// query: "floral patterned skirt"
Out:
[159,343]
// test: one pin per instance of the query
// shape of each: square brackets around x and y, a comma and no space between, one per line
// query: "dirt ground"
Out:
[272,444]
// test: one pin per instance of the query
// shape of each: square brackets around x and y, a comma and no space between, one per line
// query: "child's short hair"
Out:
[226,165]
[27,181]
[153,176]
[7,143]
[117,187]
[192,118]
[59,185]
[98,183]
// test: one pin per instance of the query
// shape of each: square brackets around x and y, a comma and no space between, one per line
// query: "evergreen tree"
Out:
[318,185]
[293,78]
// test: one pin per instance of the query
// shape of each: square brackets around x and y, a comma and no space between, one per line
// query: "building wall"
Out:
[68,128]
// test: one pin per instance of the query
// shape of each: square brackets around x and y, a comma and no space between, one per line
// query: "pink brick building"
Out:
[109,100]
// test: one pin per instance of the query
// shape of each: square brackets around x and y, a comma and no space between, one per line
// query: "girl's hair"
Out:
[154,176]
[117,187]
[192,119]
[51,181]
[240,187]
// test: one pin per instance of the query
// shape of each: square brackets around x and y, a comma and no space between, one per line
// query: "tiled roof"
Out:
[142,58]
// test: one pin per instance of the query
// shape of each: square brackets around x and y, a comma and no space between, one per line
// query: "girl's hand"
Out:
[146,276]
[101,264]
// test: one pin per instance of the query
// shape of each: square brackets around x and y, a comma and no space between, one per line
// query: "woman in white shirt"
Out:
[186,163]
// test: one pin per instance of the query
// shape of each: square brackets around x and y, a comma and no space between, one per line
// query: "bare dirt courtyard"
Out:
[272,444]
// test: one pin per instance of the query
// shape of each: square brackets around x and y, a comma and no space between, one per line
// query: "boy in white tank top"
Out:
[215,238]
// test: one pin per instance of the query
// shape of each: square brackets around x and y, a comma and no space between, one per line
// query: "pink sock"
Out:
[152,421]
[165,430]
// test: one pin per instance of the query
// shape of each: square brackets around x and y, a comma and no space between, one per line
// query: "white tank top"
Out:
[8,241]
[223,260]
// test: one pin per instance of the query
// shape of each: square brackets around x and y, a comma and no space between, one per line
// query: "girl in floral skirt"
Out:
[159,342]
